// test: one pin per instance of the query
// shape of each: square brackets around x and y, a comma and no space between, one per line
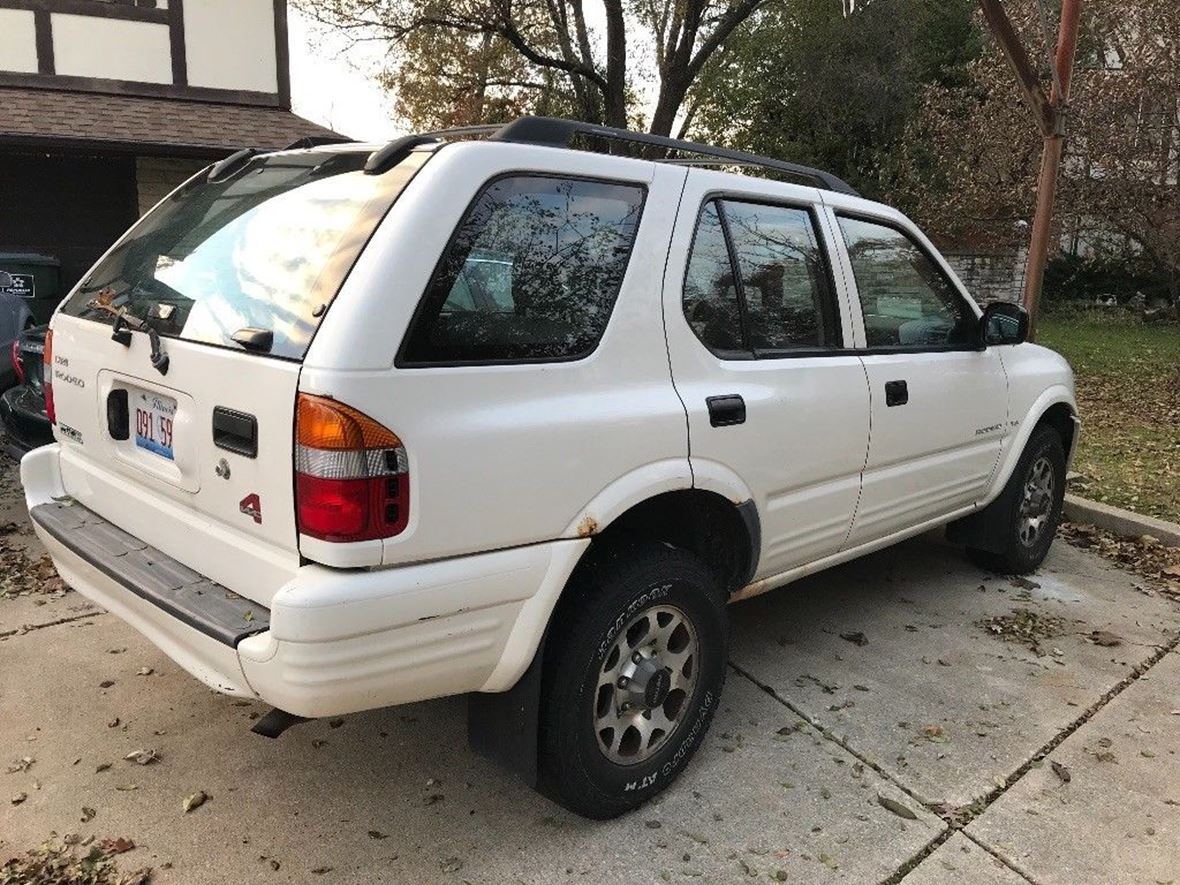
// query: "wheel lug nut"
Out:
[624,682]
[637,658]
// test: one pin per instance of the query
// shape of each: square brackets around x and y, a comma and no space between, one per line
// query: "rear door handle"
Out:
[726,411]
[896,393]
[235,432]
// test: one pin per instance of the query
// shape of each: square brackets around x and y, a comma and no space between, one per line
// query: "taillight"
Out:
[16,364]
[47,382]
[351,476]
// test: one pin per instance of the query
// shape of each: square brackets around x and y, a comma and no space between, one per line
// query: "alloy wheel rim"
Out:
[644,684]
[1036,502]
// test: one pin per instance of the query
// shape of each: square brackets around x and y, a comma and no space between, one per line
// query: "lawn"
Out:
[1128,380]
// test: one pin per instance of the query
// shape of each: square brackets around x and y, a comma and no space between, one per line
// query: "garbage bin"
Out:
[34,277]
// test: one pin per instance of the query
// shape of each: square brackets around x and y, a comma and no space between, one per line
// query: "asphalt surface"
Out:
[902,718]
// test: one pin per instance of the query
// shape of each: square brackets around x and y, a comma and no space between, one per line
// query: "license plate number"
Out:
[153,418]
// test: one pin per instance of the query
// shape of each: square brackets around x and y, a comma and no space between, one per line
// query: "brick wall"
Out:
[990,276]
[156,177]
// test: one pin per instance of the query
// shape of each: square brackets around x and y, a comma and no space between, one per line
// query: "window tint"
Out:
[266,248]
[783,276]
[906,299]
[532,272]
[781,300]
[710,296]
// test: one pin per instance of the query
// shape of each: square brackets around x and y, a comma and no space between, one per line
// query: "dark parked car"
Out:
[22,408]
[15,317]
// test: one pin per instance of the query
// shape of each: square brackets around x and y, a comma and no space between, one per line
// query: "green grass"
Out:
[1128,379]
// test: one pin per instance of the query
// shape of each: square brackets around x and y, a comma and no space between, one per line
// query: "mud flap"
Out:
[987,529]
[502,726]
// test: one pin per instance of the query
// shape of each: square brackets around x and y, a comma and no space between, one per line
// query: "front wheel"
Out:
[633,675]
[1031,507]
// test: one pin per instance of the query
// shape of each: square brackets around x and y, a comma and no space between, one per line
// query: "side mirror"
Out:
[1003,323]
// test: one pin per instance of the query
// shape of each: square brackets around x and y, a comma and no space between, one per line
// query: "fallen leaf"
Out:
[118,845]
[24,763]
[896,807]
[106,683]
[19,798]
[101,767]
[194,800]
[1105,638]
[319,871]
[88,814]
[1061,771]
[142,757]
[856,638]
[114,723]
[377,834]
[451,865]
[144,671]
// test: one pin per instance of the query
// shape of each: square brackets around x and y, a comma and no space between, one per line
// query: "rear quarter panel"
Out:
[506,455]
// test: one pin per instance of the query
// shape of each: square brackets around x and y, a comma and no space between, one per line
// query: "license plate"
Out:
[153,422]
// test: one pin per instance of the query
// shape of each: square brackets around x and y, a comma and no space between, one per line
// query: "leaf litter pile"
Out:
[21,575]
[72,863]
[1025,627]
[1147,557]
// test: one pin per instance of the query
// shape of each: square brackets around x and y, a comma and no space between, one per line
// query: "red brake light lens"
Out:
[351,474]
[16,365]
[47,383]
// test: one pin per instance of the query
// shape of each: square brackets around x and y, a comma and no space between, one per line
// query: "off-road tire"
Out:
[1019,557]
[607,593]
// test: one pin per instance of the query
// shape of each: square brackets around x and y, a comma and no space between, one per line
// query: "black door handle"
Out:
[896,393]
[725,411]
[235,431]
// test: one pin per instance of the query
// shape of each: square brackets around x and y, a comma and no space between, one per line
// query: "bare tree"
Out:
[546,38]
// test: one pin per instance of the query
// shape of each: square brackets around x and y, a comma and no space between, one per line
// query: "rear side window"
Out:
[266,248]
[531,273]
[757,282]
[906,299]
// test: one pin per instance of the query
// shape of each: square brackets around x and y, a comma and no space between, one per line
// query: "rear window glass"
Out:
[266,248]
[532,273]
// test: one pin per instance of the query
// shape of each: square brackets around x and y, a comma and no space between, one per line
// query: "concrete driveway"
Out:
[878,724]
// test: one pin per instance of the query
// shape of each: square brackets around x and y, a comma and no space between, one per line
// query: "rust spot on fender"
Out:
[587,527]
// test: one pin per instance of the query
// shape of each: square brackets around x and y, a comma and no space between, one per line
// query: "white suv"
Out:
[516,416]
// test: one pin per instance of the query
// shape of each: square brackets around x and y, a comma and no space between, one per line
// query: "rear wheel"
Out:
[1030,507]
[633,674]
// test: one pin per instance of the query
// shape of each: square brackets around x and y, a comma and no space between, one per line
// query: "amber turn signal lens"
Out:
[323,423]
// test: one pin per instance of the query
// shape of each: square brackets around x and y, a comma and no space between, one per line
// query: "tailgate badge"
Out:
[251,505]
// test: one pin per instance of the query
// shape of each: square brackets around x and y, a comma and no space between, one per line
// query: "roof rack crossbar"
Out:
[555,132]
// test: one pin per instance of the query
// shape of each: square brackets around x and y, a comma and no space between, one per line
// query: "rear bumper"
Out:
[337,641]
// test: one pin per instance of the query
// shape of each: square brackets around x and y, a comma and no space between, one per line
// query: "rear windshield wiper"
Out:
[121,333]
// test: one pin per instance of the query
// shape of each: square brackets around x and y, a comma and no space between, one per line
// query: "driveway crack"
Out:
[30,628]
[957,819]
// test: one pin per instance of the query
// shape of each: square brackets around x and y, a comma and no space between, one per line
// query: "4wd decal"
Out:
[251,505]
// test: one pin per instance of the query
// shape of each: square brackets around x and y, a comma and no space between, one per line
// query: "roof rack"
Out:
[314,141]
[557,132]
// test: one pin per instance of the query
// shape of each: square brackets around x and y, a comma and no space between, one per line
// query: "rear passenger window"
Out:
[788,303]
[757,282]
[532,273]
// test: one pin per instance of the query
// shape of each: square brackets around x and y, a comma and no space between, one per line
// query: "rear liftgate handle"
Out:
[235,432]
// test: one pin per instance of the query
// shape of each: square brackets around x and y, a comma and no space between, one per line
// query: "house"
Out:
[107,105]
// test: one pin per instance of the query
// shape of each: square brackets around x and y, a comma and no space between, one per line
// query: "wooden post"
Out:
[1049,112]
